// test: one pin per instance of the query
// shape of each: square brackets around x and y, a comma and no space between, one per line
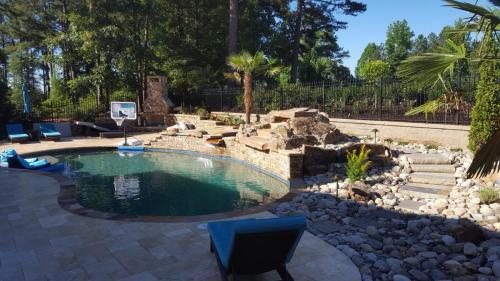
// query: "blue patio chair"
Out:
[247,247]
[16,133]
[48,131]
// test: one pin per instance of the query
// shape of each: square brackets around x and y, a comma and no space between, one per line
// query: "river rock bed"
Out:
[446,239]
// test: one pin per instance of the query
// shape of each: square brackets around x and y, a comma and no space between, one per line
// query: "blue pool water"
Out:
[167,184]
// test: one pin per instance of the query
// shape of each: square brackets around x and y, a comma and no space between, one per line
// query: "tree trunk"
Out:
[296,41]
[64,29]
[144,63]
[232,38]
[247,95]
[4,65]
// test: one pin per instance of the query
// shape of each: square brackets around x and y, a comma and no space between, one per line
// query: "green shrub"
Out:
[486,112]
[123,95]
[373,70]
[403,142]
[357,163]
[233,120]
[431,146]
[202,112]
[456,149]
[489,195]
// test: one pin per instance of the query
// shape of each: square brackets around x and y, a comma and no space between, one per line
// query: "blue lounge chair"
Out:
[246,247]
[16,133]
[48,131]
[15,161]
[10,159]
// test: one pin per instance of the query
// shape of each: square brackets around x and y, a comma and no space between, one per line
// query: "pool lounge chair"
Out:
[15,161]
[16,133]
[254,246]
[49,132]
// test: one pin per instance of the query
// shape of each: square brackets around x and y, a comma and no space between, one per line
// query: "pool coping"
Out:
[67,191]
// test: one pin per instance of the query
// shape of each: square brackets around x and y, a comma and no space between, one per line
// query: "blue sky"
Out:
[423,16]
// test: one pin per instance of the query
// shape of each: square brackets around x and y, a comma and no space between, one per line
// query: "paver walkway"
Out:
[41,241]
[72,142]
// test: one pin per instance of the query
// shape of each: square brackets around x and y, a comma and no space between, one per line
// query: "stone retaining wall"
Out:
[253,117]
[172,119]
[282,163]
[447,135]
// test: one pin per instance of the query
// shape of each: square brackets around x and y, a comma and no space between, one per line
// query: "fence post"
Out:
[323,94]
[380,100]
[459,87]
[281,98]
[221,98]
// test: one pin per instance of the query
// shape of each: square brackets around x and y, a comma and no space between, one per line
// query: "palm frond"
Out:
[425,69]
[484,22]
[233,75]
[428,107]
[258,64]
[471,8]
[240,62]
[487,158]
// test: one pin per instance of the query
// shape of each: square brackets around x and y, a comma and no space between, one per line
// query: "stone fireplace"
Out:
[156,105]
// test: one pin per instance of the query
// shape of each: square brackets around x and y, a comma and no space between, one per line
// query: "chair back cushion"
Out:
[14,129]
[265,244]
[47,128]
[252,246]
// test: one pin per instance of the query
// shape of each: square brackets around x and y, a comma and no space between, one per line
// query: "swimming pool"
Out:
[167,183]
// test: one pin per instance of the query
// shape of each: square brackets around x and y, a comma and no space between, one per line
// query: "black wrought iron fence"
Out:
[83,109]
[380,100]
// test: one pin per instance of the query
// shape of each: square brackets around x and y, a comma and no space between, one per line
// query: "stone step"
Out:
[409,206]
[425,191]
[433,178]
[258,143]
[212,123]
[433,168]
[419,158]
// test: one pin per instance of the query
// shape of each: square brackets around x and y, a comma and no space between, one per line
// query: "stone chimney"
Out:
[156,105]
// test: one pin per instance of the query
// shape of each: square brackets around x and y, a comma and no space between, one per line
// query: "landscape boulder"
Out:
[317,159]
[281,115]
[247,130]
[323,132]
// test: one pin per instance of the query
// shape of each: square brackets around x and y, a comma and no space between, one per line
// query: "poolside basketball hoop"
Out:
[119,121]
[121,111]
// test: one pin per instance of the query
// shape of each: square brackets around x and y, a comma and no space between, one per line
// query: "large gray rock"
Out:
[470,249]
[496,268]
[394,264]
[448,240]
[454,267]
[399,277]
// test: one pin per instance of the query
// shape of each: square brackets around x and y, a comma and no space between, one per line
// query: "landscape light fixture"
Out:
[375,132]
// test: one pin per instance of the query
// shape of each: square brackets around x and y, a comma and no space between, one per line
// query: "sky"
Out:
[423,16]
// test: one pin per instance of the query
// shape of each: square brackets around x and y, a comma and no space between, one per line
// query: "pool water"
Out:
[167,184]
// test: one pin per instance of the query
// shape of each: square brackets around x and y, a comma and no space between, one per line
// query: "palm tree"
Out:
[249,66]
[431,68]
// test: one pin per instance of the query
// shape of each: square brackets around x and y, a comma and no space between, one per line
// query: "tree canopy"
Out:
[371,52]
[398,43]
[92,49]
